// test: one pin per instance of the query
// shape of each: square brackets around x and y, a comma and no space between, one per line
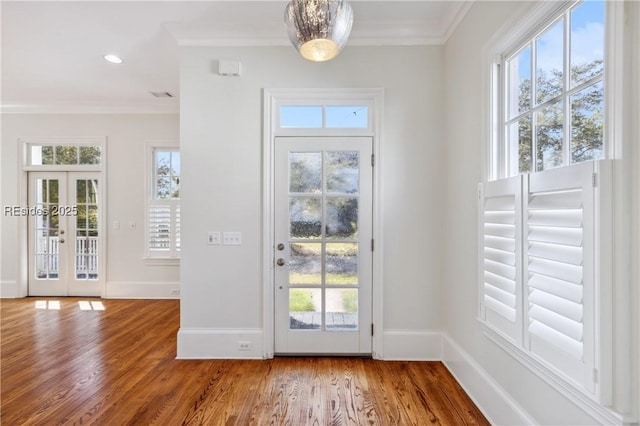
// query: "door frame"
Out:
[273,99]
[24,167]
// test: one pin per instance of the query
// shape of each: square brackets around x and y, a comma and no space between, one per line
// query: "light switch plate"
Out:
[213,238]
[232,238]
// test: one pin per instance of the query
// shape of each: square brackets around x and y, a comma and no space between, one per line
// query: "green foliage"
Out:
[301,300]
[350,301]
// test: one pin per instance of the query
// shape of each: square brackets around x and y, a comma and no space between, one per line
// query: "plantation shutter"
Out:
[561,227]
[500,254]
[163,228]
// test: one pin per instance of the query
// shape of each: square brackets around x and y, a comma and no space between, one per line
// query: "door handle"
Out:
[280,246]
[62,232]
[280,262]
[61,240]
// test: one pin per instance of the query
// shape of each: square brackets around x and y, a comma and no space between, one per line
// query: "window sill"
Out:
[161,261]
[580,398]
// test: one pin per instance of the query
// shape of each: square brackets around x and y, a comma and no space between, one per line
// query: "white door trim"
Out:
[23,200]
[273,98]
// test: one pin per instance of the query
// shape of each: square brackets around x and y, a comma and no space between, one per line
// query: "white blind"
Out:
[163,228]
[500,253]
[561,269]
[544,269]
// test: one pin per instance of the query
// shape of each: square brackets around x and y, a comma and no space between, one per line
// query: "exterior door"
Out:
[323,231]
[64,234]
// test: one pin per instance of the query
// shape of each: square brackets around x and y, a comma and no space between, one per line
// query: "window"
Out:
[64,154]
[554,93]
[163,214]
[545,220]
[327,116]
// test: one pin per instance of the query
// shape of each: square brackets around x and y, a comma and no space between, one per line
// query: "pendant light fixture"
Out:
[318,29]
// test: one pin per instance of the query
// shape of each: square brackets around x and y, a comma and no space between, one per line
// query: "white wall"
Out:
[221,136]
[529,398]
[127,273]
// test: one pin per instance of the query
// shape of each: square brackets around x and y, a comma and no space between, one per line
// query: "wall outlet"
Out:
[175,292]
[244,345]
[232,238]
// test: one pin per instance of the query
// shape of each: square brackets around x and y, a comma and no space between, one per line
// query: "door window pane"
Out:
[305,172]
[342,309]
[549,63]
[342,172]
[305,308]
[47,229]
[301,116]
[305,263]
[355,117]
[305,215]
[587,122]
[341,263]
[90,155]
[86,244]
[342,218]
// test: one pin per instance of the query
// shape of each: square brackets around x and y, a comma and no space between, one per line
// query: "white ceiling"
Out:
[52,51]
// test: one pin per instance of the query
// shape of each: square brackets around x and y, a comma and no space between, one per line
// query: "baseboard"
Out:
[497,406]
[142,290]
[10,290]
[209,343]
[412,345]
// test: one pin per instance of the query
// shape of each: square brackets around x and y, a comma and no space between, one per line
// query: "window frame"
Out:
[155,257]
[530,20]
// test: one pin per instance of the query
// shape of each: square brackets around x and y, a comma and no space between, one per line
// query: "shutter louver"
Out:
[177,226]
[500,211]
[559,242]
[159,232]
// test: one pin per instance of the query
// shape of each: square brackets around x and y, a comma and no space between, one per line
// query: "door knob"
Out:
[280,246]
[62,232]
[280,262]
[61,240]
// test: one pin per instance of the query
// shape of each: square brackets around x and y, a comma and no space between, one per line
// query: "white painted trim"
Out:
[217,343]
[271,98]
[412,345]
[454,19]
[141,290]
[53,108]
[496,405]
[600,414]
[10,290]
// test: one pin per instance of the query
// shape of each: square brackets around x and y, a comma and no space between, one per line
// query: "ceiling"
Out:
[52,52]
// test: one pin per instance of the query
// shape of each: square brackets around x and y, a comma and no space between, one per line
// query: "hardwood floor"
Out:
[117,366]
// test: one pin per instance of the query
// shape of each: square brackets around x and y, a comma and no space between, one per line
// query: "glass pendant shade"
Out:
[318,29]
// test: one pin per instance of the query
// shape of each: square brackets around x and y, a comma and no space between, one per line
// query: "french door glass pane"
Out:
[86,244]
[47,229]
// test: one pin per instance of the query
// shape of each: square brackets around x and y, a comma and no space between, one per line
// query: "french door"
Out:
[323,231]
[64,234]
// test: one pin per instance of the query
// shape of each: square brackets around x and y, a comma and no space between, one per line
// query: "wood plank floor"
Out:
[117,366]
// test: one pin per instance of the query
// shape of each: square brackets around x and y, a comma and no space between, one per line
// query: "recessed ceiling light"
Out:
[113,59]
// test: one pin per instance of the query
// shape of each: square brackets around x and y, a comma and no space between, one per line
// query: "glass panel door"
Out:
[323,245]
[64,240]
